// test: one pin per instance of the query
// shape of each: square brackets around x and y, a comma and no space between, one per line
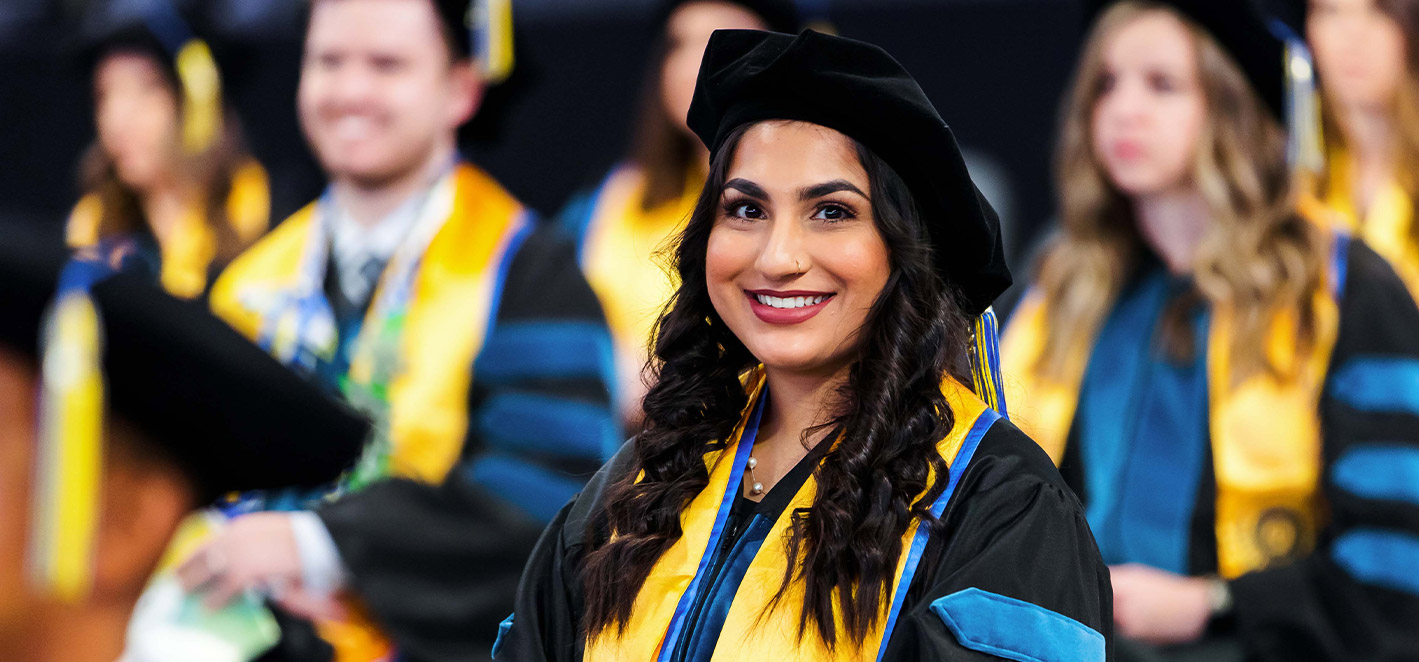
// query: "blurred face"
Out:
[17,435]
[1149,114]
[687,34]
[379,94]
[135,111]
[1359,51]
[795,261]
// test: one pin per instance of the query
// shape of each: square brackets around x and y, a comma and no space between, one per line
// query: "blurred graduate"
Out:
[169,187]
[1228,386]
[123,409]
[1367,59]
[621,224]
[426,294]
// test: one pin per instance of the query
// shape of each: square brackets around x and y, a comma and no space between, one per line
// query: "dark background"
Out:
[994,68]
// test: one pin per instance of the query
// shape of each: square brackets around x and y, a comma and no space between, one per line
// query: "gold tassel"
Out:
[491,23]
[202,96]
[70,459]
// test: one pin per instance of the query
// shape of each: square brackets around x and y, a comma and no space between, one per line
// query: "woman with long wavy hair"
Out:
[1228,387]
[638,207]
[169,188]
[1367,55]
[814,480]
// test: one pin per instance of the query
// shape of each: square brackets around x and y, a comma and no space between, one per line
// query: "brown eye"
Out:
[833,213]
[1162,83]
[1106,83]
[747,210]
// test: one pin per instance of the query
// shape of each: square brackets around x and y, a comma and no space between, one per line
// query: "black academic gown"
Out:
[436,566]
[1355,598]
[1012,528]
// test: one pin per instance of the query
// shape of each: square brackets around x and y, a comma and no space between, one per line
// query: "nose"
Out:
[351,85]
[113,119]
[783,255]
[1127,104]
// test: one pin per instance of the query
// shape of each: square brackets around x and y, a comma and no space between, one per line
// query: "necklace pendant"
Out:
[756,489]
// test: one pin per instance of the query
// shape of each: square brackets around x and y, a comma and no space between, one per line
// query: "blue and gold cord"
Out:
[986,374]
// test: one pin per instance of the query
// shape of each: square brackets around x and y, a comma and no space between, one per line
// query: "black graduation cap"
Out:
[231,416]
[1292,13]
[1239,27]
[481,29]
[748,76]
[778,15]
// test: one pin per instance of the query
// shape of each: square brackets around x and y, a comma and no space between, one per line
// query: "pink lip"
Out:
[773,315]
[1127,150]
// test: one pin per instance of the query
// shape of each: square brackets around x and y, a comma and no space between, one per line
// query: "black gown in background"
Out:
[1320,607]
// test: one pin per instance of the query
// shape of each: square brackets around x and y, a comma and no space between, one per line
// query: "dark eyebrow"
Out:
[828,188]
[747,188]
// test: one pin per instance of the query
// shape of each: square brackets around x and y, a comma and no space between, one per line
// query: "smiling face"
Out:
[795,261]
[1150,111]
[379,93]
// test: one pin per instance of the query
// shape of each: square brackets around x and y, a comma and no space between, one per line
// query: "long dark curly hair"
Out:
[870,486]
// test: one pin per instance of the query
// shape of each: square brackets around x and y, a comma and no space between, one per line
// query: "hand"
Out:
[254,551]
[1158,607]
[311,606]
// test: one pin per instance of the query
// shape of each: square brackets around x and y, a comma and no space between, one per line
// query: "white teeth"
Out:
[353,127]
[789,302]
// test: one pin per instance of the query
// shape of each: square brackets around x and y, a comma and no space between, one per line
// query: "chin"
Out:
[359,170]
[138,181]
[1137,183]
[801,362]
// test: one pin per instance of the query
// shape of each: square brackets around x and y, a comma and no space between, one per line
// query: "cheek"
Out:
[1178,130]
[308,98]
[1390,61]
[1099,127]
[861,263]
[677,82]
[727,254]
[419,105]
[159,123]
[1190,117]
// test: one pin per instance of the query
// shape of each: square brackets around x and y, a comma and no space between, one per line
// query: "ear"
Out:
[144,501]
[467,88]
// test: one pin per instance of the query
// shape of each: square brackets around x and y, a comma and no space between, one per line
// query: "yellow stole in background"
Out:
[188,252]
[450,304]
[1265,430]
[1387,225]
[618,255]
[447,317]
[749,629]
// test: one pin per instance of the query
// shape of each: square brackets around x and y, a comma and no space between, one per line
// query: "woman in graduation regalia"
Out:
[1367,57]
[814,479]
[620,224]
[1228,387]
[169,188]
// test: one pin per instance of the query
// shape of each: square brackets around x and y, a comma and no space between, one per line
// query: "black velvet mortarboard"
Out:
[778,15]
[860,91]
[231,416]
[1241,31]
[454,16]
[153,28]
